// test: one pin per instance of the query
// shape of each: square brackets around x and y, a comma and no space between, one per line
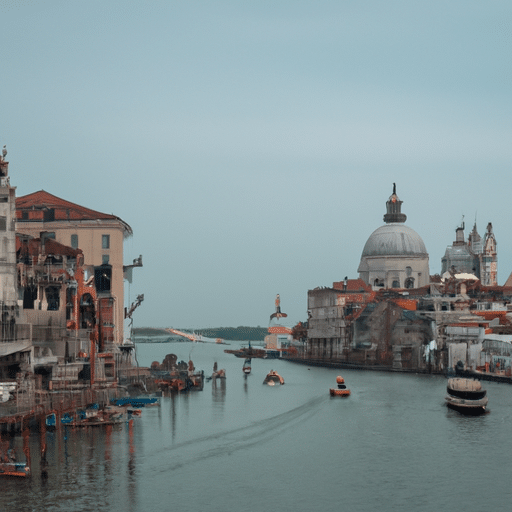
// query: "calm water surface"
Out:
[392,445]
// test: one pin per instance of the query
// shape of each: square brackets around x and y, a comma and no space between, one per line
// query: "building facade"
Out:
[476,255]
[100,237]
[7,238]
[398,317]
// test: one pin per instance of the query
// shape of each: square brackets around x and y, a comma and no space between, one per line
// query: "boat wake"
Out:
[241,438]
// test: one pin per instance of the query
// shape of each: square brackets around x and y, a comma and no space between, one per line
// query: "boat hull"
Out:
[273,378]
[135,402]
[466,396]
[339,392]
[467,406]
[14,469]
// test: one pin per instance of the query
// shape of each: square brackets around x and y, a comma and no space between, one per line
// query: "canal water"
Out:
[242,445]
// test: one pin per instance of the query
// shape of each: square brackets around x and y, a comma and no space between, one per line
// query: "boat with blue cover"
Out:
[15,469]
[134,402]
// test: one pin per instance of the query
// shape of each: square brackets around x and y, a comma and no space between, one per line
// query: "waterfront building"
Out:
[62,317]
[396,316]
[394,255]
[8,298]
[100,237]
[14,352]
[62,308]
[330,315]
[352,324]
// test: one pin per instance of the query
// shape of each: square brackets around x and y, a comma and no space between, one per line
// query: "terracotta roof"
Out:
[508,282]
[33,247]
[64,210]
[353,285]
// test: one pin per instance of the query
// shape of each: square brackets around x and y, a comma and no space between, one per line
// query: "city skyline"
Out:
[252,148]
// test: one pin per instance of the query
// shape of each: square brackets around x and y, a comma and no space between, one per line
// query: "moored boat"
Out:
[172,375]
[247,366]
[51,421]
[341,390]
[248,352]
[14,469]
[466,396]
[66,418]
[135,402]
[273,378]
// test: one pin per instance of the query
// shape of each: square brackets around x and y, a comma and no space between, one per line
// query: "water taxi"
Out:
[273,378]
[341,390]
[466,396]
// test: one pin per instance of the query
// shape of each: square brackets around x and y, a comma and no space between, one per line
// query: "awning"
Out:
[11,348]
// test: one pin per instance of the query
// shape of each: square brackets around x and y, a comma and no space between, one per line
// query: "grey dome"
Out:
[394,239]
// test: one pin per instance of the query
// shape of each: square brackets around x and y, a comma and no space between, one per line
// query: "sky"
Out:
[252,146]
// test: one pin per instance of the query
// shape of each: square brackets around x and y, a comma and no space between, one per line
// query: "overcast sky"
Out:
[252,146]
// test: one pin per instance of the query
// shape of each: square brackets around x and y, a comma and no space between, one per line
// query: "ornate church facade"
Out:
[477,255]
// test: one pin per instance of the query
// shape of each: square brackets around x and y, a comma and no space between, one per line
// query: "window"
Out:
[53,298]
[48,214]
[409,282]
[47,235]
[105,241]
[102,278]
[29,296]
[74,241]
[396,284]
[105,259]
[3,223]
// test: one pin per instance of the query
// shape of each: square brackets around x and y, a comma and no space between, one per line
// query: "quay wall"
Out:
[333,363]
[28,412]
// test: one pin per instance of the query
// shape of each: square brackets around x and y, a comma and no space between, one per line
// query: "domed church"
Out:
[394,256]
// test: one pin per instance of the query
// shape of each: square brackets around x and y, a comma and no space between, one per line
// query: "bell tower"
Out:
[8,281]
[489,265]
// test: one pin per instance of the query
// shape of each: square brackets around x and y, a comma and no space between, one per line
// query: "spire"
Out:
[394,207]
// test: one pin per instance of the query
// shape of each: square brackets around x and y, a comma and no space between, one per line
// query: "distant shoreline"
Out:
[161,335]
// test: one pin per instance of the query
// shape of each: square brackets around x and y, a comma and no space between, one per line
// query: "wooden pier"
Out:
[29,411]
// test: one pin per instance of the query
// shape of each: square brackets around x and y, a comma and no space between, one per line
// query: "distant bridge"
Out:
[196,338]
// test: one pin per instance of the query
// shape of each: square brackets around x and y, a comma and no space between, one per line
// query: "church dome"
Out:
[394,240]
[394,256]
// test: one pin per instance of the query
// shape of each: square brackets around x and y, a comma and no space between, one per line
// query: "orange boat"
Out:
[273,378]
[14,469]
[341,390]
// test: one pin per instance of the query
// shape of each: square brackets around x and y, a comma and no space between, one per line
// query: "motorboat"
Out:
[466,396]
[51,421]
[14,469]
[247,366]
[134,402]
[273,378]
[341,389]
